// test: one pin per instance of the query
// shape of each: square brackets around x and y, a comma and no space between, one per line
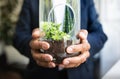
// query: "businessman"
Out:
[41,66]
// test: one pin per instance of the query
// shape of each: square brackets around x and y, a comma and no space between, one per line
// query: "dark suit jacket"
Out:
[29,20]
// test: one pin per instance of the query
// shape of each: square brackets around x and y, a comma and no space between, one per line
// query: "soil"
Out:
[57,50]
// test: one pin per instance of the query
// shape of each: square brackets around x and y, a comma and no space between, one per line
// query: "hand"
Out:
[83,48]
[44,60]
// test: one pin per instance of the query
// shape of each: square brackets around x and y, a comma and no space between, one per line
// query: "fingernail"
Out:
[82,34]
[51,65]
[45,46]
[66,62]
[60,67]
[47,59]
[36,31]
[69,50]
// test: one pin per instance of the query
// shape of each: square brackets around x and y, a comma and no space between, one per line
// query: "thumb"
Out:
[83,34]
[36,33]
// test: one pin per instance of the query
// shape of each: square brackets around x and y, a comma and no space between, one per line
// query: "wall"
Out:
[109,11]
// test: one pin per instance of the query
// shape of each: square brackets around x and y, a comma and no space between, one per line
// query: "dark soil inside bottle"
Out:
[57,50]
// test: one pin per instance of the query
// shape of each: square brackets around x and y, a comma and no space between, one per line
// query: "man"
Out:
[41,66]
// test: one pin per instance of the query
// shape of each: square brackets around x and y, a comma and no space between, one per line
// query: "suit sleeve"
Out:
[96,36]
[22,35]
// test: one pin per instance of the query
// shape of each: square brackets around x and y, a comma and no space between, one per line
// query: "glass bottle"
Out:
[59,23]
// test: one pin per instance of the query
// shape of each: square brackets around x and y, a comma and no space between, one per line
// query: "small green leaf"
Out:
[52,31]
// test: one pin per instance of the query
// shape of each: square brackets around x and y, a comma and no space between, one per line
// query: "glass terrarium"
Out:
[59,23]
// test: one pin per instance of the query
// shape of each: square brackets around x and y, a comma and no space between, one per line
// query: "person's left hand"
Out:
[83,47]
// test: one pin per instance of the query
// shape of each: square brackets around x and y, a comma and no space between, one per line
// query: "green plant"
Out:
[52,31]
[68,20]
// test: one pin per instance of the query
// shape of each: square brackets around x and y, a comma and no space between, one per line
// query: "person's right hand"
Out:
[44,60]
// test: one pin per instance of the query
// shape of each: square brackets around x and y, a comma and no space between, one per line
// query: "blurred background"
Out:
[109,16]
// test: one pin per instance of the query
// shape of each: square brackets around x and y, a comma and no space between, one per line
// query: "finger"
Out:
[82,34]
[41,57]
[36,44]
[68,64]
[84,41]
[75,61]
[84,56]
[36,33]
[78,48]
[46,64]
[85,47]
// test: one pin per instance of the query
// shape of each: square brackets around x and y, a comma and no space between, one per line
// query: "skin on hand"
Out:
[44,60]
[83,48]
